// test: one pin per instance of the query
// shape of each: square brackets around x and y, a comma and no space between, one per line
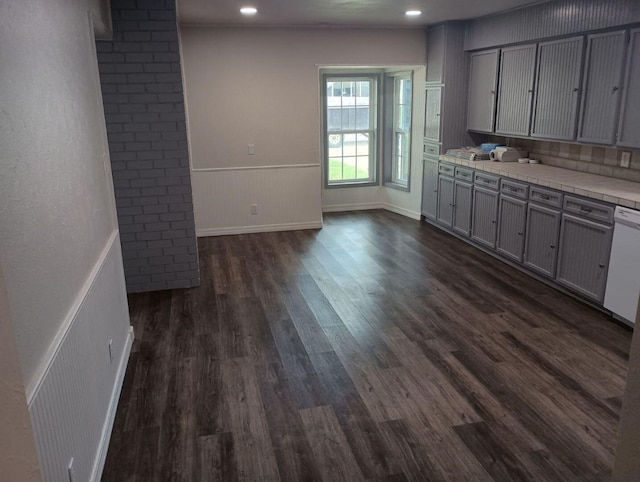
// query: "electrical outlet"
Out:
[254,209]
[110,351]
[625,159]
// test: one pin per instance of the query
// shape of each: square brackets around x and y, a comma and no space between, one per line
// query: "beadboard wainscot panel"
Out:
[73,406]
[287,198]
[549,19]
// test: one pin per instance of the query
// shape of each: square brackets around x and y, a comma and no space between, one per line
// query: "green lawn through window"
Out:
[336,172]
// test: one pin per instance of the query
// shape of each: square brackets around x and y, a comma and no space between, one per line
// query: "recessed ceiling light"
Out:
[413,13]
[248,10]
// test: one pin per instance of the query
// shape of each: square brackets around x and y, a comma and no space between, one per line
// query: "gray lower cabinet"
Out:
[430,189]
[511,227]
[445,200]
[462,200]
[584,255]
[541,245]
[484,217]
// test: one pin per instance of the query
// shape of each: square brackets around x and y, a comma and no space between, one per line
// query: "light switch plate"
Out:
[251,149]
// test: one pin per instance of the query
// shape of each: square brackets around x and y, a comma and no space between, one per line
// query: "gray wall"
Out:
[144,109]
[549,19]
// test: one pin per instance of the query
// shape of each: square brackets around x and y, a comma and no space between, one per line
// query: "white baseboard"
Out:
[257,229]
[98,466]
[404,212]
[336,208]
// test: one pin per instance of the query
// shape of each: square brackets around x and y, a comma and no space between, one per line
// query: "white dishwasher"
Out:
[623,280]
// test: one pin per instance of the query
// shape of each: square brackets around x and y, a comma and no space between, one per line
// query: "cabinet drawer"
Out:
[446,169]
[514,189]
[486,180]
[545,196]
[464,174]
[588,209]
[431,150]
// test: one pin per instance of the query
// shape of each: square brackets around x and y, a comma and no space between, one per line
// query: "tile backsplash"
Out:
[578,157]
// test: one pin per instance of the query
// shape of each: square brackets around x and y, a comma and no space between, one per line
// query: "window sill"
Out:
[351,184]
[398,186]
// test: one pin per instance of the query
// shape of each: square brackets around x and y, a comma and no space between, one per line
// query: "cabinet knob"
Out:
[520,234]
[601,265]
[615,88]
[553,246]
[493,222]
[493,92]
[575,89]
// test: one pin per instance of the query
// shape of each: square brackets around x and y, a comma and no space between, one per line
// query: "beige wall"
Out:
[261,86]
[18,457]
[57,211]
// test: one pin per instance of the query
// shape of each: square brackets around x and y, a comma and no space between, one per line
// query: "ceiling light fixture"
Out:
[413,13]
[248,10]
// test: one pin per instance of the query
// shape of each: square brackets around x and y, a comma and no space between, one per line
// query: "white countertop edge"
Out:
[603,194]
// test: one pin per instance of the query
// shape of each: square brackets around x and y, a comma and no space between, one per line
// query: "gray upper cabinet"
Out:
[629,127]
[462,197]
[602,86]
[430,189]
[484,216]
[584,255]
[483,78]
[541,246]
[515,91]
[432,113]
[558,89]
[511,227]
[435,54]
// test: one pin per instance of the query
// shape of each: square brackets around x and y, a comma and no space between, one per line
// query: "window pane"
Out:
[348,137]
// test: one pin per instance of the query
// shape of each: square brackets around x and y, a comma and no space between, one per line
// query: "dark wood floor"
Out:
[378,348]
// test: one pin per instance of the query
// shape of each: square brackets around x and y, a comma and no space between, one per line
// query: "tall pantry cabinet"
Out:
[445,104]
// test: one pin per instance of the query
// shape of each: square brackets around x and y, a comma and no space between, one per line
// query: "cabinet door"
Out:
[435,53]
[629,127]
[515,93]
[432,114]
[558,89]
[482,91]
[541,245]
[462,196]
[601,88]
[445,200]
[511,226]
[583,258]
[484,216]
[430,189]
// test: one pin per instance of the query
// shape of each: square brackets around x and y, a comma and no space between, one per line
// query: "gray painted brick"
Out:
[144,109]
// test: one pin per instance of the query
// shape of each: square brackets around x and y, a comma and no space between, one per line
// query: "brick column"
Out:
[144,109]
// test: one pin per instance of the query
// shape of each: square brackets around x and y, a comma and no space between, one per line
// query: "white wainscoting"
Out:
[287,197]
[73,405]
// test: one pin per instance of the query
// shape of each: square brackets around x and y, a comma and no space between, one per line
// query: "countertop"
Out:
[608,189]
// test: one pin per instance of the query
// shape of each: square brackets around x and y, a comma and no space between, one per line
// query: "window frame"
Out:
[375,98]
[391,116]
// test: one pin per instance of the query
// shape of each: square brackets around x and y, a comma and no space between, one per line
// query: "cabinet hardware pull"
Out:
[552,246]
[575,89]
[615,88]
[544,196]
[601,265]
[520,234]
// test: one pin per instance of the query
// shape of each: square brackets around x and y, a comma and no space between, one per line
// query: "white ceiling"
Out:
[361,13]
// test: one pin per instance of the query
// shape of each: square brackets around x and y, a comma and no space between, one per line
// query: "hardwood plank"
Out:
[217,457]
[329,445]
